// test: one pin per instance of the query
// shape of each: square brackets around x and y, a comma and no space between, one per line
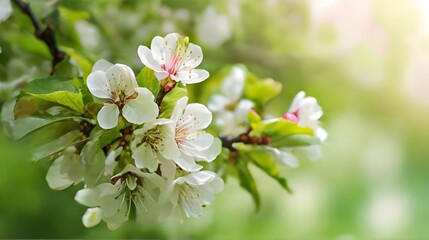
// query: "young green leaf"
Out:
[146,78]
[260,91]
[59,144]
[82,62]
[169,101]
[247,181]
[56,89]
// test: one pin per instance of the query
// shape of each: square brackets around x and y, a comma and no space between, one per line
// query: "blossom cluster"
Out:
[153,166]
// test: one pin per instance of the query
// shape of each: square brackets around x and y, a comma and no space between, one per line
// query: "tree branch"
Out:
[47,34]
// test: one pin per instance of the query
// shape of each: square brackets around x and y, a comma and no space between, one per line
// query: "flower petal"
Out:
[102,65]
[147,58]
[144,157]
[187,163]
[193,57]
[200,114]
[213,151]
[199,178]
[142,108]
[57,180]
[233,84]
[88,197]
[92,217]
[178,109]
[296,101]
[288,158]
[98,85]
[192,76]
[122,79]
[107,117]
[5,10]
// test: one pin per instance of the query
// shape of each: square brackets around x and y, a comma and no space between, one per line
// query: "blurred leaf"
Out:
[169,101]
[83,63]
[280,132]
[56,89]
[57,145]
[146,78]
[247,182]
[93,155]
[260,91]
[16,129]
[295,140]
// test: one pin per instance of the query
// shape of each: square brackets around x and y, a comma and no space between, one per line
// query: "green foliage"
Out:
[254,86]
[57,145]
[146,78]
[82,62]
[283,133]
[56,89]
[93,155]
[169,101]
[247,181]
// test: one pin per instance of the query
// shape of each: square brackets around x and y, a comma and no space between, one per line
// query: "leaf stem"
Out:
[46,34]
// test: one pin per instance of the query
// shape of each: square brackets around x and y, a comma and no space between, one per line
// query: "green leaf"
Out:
[59,144]
[56,89]
[93,155]
[17,129]
[281,132]
[146,78]
[247,181]
[295,140]
[83,63]
[264,160]
[169,101]
[260,91]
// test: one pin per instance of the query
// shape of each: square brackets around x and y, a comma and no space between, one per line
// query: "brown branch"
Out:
[47,34]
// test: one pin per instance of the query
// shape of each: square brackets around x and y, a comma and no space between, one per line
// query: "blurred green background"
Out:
[367,63]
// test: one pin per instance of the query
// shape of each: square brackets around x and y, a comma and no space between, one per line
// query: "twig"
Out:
[46,35]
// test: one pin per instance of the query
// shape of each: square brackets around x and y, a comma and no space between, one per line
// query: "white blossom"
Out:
[213,29]
[305,111]
[92,217]
[193,142]
[185,194]
[5,10]
[130,186]
[174,57]
[117,84]
[231,111]
[153,143]
[66,170]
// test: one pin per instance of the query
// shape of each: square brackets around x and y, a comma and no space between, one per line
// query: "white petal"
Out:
[242,110]
[296,101]
[192,76]
[145,157]
[142,108]
[213,151]
[98,85]
[122,79]
[199,178]
[321,134]
[168,146]
[57,180]
[288,158]
[107,117]
[5,10]
[178,109]
[187,163]
[233,84]
[110,162]
[200,114]
[102,65]
[192,58]
[163,48]
[88,197]
[161,74]
[168,169]
[218,103]
[313,153]
[147,58]
[92,217]
[217,184]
